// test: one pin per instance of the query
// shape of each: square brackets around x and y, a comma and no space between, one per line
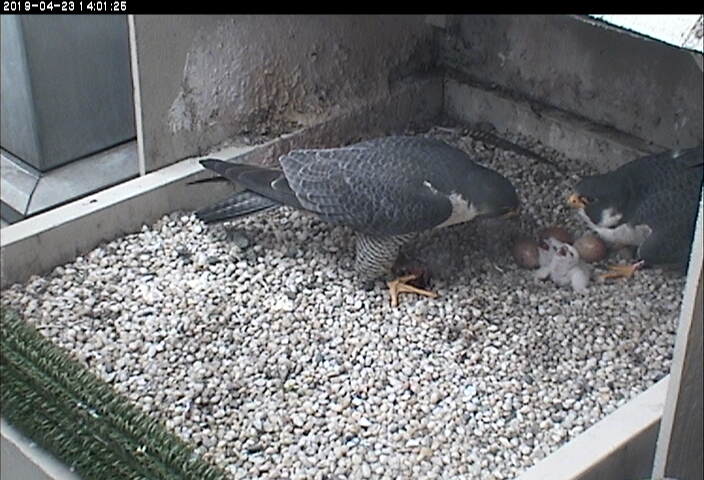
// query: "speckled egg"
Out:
[591,248]
[525,252]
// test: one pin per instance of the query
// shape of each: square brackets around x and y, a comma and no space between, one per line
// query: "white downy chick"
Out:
[560,261]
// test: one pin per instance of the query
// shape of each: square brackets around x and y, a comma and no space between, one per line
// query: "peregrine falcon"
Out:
[650,203]
[386,190]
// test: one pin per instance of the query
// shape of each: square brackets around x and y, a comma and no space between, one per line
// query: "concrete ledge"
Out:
[576,137]
[29,193]
[622,445]
[22,459]
[16,186]
[40,243]
[631,83]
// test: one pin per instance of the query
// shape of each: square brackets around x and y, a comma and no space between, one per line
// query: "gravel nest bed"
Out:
[253,341]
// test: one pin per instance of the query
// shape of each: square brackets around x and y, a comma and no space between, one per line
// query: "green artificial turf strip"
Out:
[80,419]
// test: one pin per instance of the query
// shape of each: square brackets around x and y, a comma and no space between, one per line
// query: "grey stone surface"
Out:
[27,192]
[17,183]
[82,177]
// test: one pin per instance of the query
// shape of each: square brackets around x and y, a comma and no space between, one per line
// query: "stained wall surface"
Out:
[638,86]
[205,80]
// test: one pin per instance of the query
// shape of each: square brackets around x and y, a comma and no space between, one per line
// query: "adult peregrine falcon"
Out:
[386,190]
[650,203]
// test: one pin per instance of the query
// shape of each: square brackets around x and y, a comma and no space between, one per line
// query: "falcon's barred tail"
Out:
[267,182]
[240,204]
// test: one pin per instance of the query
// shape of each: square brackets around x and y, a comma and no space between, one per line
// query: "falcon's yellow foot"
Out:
[621,271]
[400,285]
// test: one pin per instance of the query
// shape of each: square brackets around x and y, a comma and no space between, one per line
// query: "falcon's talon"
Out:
[399,286]
[621,271]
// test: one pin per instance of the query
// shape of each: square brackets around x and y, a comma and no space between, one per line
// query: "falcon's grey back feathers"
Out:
[650,202]
[384,189]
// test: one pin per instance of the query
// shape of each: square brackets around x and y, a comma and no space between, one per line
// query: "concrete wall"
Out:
[204,80]
[19,106]
[641,87]
[75,95]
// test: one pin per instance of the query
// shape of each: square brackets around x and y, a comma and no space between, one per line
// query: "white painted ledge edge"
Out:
[570,461]
[38,243]
[578,456]
[22,459]
[110,196]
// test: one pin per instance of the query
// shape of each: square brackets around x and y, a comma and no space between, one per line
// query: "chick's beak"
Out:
[575,202]
[511,213]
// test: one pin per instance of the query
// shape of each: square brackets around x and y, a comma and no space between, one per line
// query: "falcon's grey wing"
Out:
[267,182]
[670,233]
[668,205]
[363,187]
[238,205]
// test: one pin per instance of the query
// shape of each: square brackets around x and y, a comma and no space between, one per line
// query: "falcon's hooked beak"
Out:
[575,201]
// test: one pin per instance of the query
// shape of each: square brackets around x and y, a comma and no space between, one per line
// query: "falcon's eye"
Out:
[586,200]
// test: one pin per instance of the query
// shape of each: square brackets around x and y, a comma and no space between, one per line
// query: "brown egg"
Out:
[558,233]
[525,252]
[591,248]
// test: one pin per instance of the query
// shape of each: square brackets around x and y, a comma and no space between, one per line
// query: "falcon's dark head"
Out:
[491,194]
[602,198]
